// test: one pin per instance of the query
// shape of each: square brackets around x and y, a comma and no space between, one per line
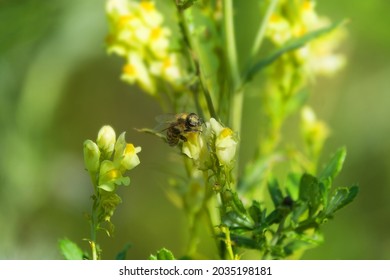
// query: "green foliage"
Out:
[293,224]
[289,46]
[122,254]
[70,250]
[162,254]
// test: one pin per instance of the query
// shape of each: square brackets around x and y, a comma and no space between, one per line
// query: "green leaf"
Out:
[325,186]
[334,166]
[275,216]
[246,242]
[238,203]
[162,254]
[303,242]
[275,192]
[256,214]
[309,192]
[290,46]
[234,220]
[70,250]
[299,211]
[122,254]
[341,198]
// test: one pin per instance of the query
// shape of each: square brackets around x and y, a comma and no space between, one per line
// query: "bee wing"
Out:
[164,121]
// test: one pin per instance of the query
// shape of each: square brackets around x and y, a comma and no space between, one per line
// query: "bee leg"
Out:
[183,138]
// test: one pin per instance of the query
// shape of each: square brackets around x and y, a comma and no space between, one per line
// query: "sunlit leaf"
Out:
[234,220]
[341,198]
[334,166]
[290,46]
[162,254]
[70,250]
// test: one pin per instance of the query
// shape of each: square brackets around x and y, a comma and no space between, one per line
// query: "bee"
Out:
[179,125]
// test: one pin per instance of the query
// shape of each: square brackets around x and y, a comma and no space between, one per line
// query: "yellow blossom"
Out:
[135,71]
[225,143]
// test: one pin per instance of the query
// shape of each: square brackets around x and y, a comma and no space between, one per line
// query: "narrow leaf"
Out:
[341,198]
[70,250]
[290,46]
[238,203]
[255,213]
[334,166]
[122,254]
[275,192]
[234,220]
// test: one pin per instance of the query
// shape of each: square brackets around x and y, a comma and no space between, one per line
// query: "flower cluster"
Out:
[294,21]
[137,33]
[107,160]
[216,140]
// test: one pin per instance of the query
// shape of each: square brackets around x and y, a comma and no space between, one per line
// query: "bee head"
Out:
[193,120]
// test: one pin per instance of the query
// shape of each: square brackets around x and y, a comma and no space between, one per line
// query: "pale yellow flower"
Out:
[135,71]
[225,143]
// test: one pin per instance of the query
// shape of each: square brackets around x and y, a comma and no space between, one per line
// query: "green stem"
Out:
[237,90]
[228,243]
[191,52]
[94,218]
[94,226]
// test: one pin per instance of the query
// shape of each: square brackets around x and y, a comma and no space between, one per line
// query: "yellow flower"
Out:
[225,143]
[130,158]
[135,71]
[168,68]
[125,156]
[279,29]
[193,146]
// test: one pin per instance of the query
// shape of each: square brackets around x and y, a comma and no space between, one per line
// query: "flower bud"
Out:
[91,156]
[106,140]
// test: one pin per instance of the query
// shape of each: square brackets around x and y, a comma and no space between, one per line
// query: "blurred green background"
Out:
[58,87]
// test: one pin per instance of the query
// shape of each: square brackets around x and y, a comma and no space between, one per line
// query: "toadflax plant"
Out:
[187,60]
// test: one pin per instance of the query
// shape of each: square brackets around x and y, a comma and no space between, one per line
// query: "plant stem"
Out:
[231,52]
[228,242]
[92,241]
[191,52]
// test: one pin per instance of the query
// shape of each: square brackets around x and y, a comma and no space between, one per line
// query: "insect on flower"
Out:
[178,126]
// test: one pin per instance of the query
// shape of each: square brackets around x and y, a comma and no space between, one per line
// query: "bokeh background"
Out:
[58,87]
